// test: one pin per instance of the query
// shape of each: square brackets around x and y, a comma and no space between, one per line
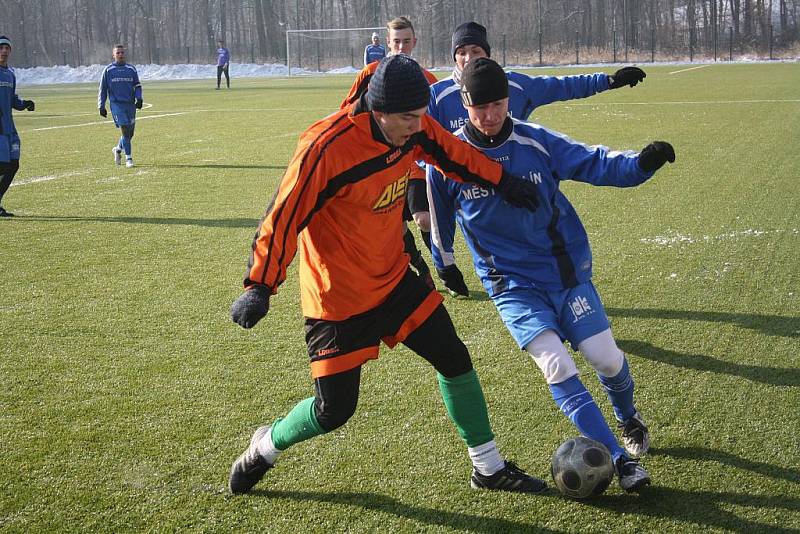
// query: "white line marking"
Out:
[690,68]
[37,179]
[101,122]
[672,103]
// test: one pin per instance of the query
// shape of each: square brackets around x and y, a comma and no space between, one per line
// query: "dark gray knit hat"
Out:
[470,33]
[483,81]
[5,40]
[398,86]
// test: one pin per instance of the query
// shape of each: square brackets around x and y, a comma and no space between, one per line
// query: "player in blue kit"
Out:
[120,85]
[537,265]
[526,93]
[223,64]
[9,140]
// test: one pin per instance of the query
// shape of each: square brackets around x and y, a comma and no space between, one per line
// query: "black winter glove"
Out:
[454,281]
[654,155]
[139,103]
[30,105]
[251,306]
[518,192]
[626,76]
[103,112]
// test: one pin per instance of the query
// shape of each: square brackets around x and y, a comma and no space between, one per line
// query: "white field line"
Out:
[37,179]
[682,103]
[690,68]
[101,122]
[669,241]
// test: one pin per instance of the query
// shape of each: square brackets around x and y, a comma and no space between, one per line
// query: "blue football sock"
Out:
[577,403]
[126,145]
[619,389]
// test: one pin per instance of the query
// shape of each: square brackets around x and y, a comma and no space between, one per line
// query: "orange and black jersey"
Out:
[340,204]
[362,82]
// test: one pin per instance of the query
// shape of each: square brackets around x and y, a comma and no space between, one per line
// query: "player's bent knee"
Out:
[552,357]
[331,416]
[602,353]
[423,220]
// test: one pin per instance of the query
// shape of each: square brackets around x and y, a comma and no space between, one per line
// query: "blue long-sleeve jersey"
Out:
[514,247]
[9,140]
[223,56]
[525,93]
[373,52]
[119,84]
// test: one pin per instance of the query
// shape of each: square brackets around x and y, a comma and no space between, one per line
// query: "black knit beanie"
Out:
[398,86]
[470,33]
[483,81]
[5,40]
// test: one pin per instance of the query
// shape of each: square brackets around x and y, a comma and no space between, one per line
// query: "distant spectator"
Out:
[374,52]
[9,140]
[223,62]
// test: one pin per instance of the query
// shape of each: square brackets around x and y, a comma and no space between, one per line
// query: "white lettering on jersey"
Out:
[475,192]
[455,124]
[536,177]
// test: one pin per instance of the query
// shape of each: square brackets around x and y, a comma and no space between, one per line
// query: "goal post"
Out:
[326,49]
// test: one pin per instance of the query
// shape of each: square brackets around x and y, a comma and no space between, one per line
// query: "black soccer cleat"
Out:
[509,478]
[250,467]
[4,213]
[632,476]
[635,436]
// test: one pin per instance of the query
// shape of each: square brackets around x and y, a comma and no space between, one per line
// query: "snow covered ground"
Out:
[91,74]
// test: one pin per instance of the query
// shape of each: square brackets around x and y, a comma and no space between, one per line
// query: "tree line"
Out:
[81,32]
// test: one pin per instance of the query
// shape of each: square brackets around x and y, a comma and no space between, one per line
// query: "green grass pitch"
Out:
[126,391]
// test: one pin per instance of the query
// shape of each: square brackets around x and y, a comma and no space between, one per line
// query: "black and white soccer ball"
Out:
[582,467]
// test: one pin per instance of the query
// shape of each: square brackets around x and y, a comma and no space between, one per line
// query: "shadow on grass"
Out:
[478,296]
[212,223]
[702,453]
[426,516]
[774,376]
[706,509]
[209,166]
[772,325]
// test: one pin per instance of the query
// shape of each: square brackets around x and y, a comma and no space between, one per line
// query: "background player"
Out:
[120,84]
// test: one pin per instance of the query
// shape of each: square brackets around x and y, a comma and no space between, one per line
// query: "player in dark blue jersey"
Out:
[120,85]
[9,140]
[526,93]
[537,265]
[223,63]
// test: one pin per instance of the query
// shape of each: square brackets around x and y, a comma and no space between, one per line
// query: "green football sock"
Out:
[464,400]
[299,425]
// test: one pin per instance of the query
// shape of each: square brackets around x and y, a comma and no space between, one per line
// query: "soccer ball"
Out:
[581,468]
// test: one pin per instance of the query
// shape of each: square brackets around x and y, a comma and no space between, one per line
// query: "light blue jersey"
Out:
[120,85]
[9,140]
[546,249]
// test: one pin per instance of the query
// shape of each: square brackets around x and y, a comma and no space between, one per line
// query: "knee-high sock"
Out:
[299,425]
[466,405]
[126,145]
[577,404]
[619,389]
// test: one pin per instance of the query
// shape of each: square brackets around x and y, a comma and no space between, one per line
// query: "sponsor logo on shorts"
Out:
[326,352]
[580,308]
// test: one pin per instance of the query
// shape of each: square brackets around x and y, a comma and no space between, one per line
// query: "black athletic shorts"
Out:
[338,346]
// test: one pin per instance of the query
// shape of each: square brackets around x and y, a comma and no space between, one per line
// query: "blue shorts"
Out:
[124,114]
[574,314]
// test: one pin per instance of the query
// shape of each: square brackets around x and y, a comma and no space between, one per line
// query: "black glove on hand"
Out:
[30,105]
[626,76]
[251,306]
[518,192]
[454,280]
[653,156]
[103,112]
[139,103]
